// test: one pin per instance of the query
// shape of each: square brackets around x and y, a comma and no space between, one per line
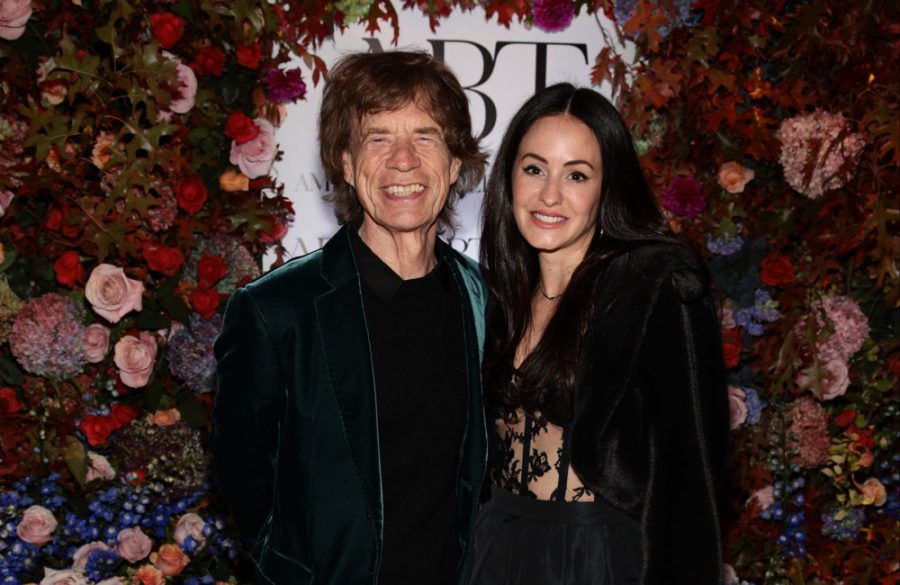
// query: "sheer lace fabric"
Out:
[545,474]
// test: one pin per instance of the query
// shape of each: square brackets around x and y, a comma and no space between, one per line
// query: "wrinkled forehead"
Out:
[417,110]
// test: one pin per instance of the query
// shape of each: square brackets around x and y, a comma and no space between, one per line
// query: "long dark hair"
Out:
[628,217]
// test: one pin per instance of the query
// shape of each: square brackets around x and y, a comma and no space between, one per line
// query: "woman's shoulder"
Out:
[659,263]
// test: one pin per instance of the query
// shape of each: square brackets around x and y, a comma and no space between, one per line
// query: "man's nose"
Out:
[403,155]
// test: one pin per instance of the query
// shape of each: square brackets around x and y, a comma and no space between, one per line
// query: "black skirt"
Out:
[523,541]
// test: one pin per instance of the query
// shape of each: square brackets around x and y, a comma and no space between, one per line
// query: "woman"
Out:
[602,363]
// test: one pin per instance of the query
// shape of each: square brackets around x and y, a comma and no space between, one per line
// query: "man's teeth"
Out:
[404,190]
[548,218]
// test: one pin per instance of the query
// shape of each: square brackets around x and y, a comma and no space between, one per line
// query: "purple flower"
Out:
[47,336]
[724,245]
[764,310]
[285,86]
[552,15]
[190,353]
[754,406]
[684,196]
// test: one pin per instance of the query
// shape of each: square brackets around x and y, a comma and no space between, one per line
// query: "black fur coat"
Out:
[650,430]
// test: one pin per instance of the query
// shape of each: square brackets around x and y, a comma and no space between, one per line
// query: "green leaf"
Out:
[76,458]
[10,372]
[172,304]
[9,256]
[153,395]
[151,320]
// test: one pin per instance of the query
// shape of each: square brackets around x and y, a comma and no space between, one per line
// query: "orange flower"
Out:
[234,181]
[148,575]
[170,560]
[102,151]
[733,177]
[164,418]
[873,492]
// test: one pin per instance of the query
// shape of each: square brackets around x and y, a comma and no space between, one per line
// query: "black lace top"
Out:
[545,474]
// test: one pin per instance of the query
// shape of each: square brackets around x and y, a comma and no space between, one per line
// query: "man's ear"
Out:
[455,166]
[347,161]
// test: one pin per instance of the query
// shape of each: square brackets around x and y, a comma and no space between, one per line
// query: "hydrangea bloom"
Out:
[754,318]
[552,15]
[47,336]
[819,142]
[684,196]
[190,353]
[851,328]
[725,244]
[809,427]
[754,405]
[843,524]
[241,265]
[285,86]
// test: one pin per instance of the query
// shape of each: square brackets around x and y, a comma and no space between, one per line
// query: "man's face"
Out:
[401,169]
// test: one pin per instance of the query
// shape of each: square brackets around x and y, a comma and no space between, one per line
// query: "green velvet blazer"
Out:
[295,436]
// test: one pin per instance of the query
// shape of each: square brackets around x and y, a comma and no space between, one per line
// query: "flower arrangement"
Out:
[135,142]
[777,158]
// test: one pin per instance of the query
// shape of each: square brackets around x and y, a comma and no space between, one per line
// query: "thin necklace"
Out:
[545,295]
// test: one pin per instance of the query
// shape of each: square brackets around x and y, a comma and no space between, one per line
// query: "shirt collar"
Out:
[383,281]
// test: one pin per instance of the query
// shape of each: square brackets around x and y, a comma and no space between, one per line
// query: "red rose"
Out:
[208,61]
[205,302]
[248,56]
[167,28]
[162,258]
[72,230]
[274,236]
[210,270]
[777,269]
[54,219]
[136,477]
[731,346]
[69,269]
[191,194]
[241,128]
[845,418]
[9,401]
[97,429]
[122,414]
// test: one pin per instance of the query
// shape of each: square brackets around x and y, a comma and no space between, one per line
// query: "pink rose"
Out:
[103,148]
[826,382]
[134,545]
[170,560]
[111,294]
[190,524]
[185,95]
[80,558]
[763,497]
[737,406]
[730,575]
[98,467]
[37,526]
[135,358]
[255,156]
[96,342]
[13,16]
[66,577]
[733,177]
[873,492]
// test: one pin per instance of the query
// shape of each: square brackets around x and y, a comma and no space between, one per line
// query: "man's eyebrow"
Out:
[422,130]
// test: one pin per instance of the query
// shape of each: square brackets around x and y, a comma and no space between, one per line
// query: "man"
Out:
[349,438]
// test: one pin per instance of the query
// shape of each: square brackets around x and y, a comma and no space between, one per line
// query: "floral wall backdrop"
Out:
[136,141]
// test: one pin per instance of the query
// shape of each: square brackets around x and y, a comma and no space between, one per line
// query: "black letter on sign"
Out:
[374,45]
[490,110]
[540,60]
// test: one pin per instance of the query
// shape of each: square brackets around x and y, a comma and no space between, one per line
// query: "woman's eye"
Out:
[579,177]
[532,170]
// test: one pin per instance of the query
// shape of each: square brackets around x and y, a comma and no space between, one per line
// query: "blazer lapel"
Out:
[342,327]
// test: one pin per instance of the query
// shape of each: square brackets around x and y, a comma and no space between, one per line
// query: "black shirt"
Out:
[418,355]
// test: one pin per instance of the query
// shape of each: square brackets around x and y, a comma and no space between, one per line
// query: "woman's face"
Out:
[556,186]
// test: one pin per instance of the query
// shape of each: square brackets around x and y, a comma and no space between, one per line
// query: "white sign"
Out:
[499,68]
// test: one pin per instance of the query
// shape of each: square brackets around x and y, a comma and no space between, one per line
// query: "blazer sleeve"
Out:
[248,408]
[681,367]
